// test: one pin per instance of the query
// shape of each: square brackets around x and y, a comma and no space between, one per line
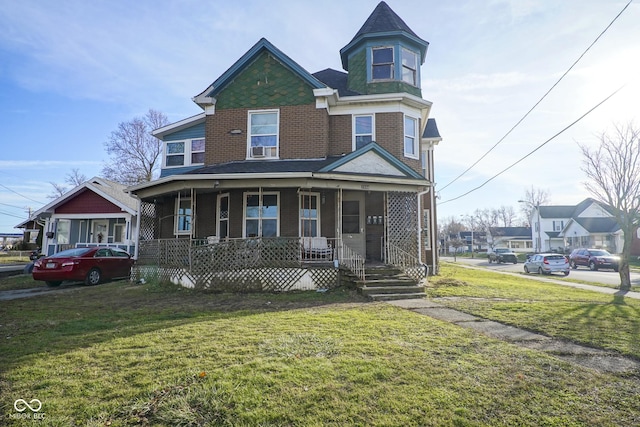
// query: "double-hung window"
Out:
[382,63]
[410,137]
[261,215]
[263,133]
[197,151]
[363,127]
[409,67]
[183,216]
[184,153]
[175,154]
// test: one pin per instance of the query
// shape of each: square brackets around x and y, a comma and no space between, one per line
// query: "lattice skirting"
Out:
[245,280]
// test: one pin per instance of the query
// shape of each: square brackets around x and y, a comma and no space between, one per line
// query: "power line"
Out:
[21,195]
[536,149]
[541,99]
[12,206]
[10,214]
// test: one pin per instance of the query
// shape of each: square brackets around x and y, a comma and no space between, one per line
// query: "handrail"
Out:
[351,260]
[407,262]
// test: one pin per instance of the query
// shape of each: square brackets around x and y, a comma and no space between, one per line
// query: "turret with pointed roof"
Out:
[385,55]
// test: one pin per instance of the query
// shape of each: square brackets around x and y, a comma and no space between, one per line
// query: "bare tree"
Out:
[73,178]
[533,198]
[135,153]
[450,226]
[506,216]
[613,169]
[456,244]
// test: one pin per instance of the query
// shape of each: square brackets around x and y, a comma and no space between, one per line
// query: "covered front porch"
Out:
[276,234]
[71,231]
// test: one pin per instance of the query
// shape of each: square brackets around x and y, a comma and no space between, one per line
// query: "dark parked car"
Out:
[90,265]
[547,264]
[500,255]
[594,259]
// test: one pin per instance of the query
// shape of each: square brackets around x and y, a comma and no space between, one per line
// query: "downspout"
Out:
[419,195]
[136,240]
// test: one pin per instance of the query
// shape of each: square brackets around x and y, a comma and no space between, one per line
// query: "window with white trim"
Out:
[363,127]
[183,216]
[263,133]
[410,137]
[382,63]
[184,153]
[409,67]
[309,214]
[261,214]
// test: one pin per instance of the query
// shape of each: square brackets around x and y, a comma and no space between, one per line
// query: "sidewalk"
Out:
[597,359]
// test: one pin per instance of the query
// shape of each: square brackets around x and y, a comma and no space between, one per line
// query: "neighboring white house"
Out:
[517,239]
[563,228]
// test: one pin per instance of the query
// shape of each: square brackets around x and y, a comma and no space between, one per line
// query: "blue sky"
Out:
[70,71]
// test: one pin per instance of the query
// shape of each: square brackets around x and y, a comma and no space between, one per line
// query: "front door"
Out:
[99,232]
[353,223]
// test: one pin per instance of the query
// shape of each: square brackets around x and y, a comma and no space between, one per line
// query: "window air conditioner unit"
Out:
[257,151]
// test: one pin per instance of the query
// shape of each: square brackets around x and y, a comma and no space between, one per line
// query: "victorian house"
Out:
[285,173]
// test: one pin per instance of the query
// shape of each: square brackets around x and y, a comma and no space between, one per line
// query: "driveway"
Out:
[33,292]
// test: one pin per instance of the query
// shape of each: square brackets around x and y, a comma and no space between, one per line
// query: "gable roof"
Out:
[571,211]
[598,225]
[206,96]
[109,190]
[379,151]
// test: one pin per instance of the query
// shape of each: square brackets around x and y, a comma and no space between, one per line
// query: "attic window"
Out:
[382,63]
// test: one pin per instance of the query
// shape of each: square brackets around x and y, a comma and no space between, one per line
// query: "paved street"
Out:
[608,277]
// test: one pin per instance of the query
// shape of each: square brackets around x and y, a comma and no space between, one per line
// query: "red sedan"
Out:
[90,265]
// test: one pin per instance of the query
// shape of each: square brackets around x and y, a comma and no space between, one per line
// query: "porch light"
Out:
[235,132]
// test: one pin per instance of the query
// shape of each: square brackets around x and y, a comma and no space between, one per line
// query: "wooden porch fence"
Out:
[243,265]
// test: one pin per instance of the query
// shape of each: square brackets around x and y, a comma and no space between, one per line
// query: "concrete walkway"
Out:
[597,359]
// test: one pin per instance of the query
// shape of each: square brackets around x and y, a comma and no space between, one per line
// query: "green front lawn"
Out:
[591,318]
[120,354]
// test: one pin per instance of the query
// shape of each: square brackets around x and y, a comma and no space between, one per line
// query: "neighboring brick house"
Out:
[345,159]
[95,213]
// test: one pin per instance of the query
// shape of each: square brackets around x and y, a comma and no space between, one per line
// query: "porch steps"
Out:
[385,283]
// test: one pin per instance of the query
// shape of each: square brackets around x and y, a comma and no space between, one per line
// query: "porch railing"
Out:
[275,264]
[351,260]
[238,253]
[407,262]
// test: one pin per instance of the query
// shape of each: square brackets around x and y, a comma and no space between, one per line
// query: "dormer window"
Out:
[409,67]
[382,63]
